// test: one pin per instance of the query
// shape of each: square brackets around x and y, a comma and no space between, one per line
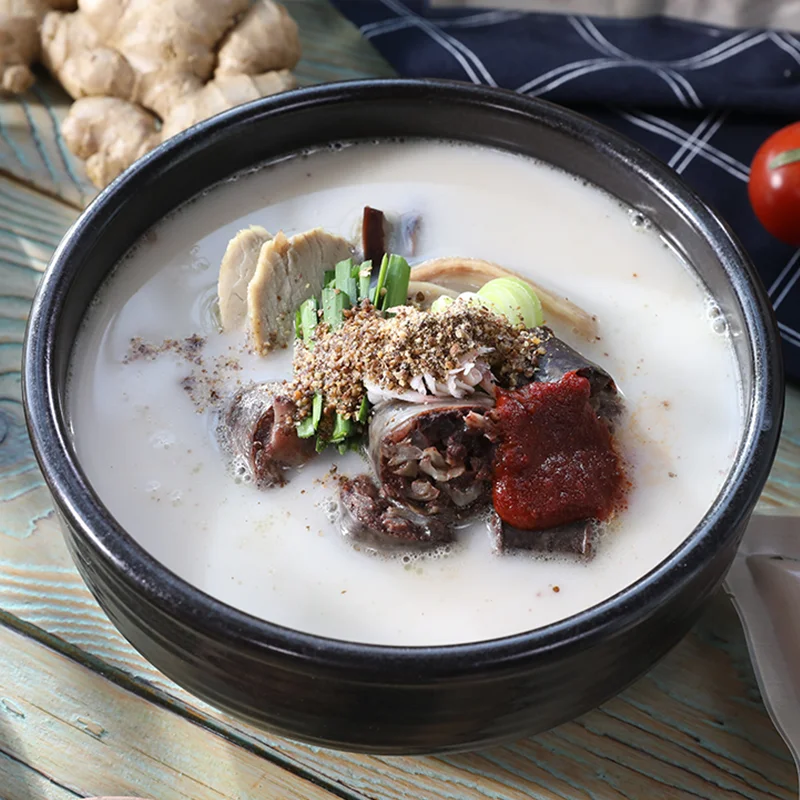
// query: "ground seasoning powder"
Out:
[389,351]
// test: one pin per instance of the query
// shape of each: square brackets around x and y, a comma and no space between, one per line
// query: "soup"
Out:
[151,367]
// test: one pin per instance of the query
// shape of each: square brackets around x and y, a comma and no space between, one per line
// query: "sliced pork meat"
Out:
[258,436]
[368,517]
[288,272]
[434,458]
[575,539]
[235,273]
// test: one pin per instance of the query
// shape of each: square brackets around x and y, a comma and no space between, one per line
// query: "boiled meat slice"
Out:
[235,273]
[289,271]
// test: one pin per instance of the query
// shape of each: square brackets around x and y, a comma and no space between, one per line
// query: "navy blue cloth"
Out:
[700,98]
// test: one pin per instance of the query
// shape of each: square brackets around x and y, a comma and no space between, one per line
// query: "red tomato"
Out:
[774,185]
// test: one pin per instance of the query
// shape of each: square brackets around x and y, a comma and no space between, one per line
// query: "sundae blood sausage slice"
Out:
[257,433]
[576,538]
[368,517]
[435,457]
[559,358]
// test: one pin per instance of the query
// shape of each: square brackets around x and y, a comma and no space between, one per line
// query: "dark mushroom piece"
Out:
[366,516]
[373,235]
[256,431]
[434,458]
[388,233]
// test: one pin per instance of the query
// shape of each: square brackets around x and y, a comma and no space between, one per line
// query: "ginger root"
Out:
[109,134]
[265,40]
[224,92]
[161,66]
[20,21]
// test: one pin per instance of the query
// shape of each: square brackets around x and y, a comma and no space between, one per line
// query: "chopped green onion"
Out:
[316,410]
[334,303]
[536,303]
[375,294]
[344,286]
[353,443]
[441,303]
[342,268]
[363,411]
[514,299]
[309,320]
[364,280]
[306,428]
[398,274]
[342,428]
[345,282]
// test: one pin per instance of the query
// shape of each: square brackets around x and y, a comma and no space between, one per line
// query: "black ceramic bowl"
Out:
[374,698]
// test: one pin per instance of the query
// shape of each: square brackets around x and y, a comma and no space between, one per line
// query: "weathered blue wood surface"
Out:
[82,714]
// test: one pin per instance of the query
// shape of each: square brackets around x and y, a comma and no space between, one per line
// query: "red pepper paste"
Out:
[555,461]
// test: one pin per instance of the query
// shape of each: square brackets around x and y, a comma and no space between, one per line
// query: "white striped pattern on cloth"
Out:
[683,90]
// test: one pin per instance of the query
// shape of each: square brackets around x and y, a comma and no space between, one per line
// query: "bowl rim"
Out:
[159,586]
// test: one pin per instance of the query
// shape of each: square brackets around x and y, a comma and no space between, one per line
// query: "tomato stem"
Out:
[784,158]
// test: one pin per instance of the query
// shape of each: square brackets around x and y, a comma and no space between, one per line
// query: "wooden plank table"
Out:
[81,713]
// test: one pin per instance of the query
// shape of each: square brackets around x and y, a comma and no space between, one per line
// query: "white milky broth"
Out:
[145,436]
